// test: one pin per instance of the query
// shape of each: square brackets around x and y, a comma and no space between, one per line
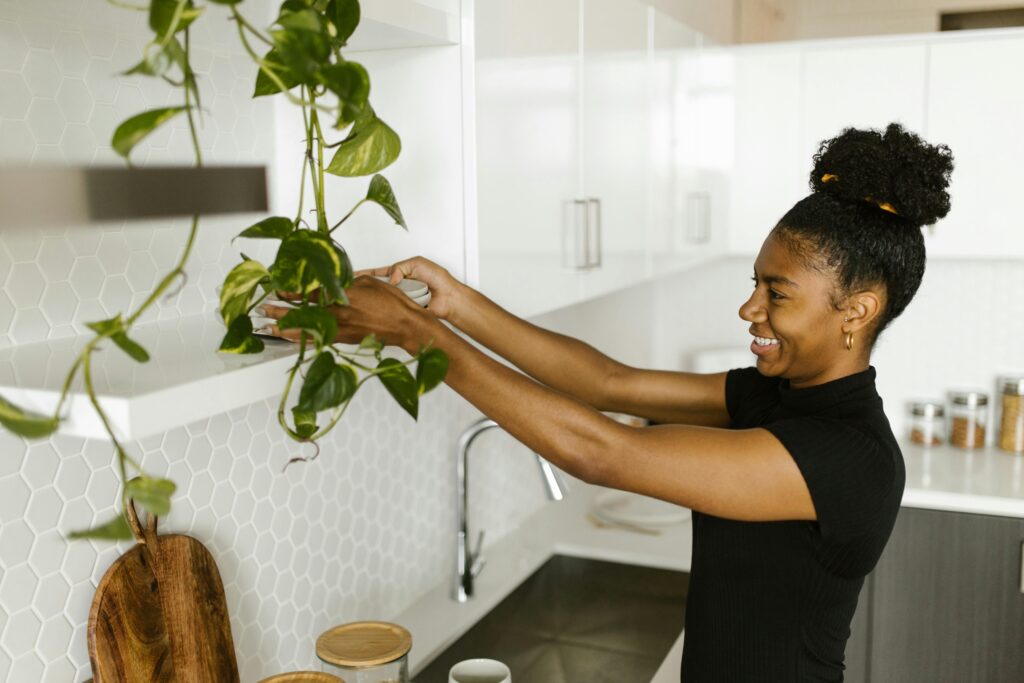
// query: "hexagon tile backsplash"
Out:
[357,534]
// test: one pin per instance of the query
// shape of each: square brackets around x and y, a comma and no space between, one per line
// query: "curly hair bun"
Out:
[896,168]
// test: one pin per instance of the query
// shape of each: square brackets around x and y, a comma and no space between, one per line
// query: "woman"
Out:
[790,467]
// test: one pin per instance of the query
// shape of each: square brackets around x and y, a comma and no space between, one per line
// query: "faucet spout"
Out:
[469,562]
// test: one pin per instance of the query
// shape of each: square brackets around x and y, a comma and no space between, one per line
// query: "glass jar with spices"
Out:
[927,423]
[968,418]
[1011,422]
[366,652]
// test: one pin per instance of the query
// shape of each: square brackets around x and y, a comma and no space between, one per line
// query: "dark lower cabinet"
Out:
[944,604]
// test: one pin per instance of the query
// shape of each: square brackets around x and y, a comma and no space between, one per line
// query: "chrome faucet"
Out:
[468,562]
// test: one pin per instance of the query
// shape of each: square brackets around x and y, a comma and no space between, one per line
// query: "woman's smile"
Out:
[762,346]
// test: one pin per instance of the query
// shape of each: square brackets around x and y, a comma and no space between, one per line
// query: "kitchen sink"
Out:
[575,620]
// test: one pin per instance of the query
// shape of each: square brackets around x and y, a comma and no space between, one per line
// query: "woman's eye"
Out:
[775,295]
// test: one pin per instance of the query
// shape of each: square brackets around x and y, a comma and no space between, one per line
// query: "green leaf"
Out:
[116,529]
[327,384]
[109,327]
[371,146]
[130,347]
[264,85]
[275,227]
[431,369]
[302,52]
[304,19]
[308,259]
[161,16]
[344,14]
[316,320]
[227,2]
[380,192]
[158,60]
[152,494]
[350,82]
[305,422]
[400,383]
[370,341]
[132,131]
[239,337]
[238,289]
[26,423]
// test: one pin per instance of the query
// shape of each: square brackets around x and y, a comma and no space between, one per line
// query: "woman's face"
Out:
[791,306]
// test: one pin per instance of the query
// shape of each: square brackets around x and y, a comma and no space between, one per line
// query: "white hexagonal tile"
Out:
[48,553]
[46,121]
[16,143]
[44,510]
[116,295]
[141,272]
[15,542]
[51,595]
[41,463]
[20,634]
[42,73]
[14,494]
[14,104]
[78,145]
[17,586]
[71,54]
[29,326]
[79,561]
[113,253]
[101,81]
[39,30]
[55,258]
[103,487]
[48,155]
[59,303]
[13,47]
[54,638]
[72,478]
[87,277]
[27,667]
[74,100]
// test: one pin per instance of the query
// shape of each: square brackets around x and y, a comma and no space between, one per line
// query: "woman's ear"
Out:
[861,308]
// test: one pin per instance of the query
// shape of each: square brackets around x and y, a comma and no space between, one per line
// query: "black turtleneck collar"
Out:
[858,386]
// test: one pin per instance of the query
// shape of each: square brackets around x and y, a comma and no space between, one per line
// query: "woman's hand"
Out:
[375,307]
[444,289]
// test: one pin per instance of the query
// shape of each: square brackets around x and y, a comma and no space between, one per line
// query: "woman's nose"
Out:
[752,310]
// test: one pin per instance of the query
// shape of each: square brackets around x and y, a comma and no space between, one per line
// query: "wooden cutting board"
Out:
[159,614]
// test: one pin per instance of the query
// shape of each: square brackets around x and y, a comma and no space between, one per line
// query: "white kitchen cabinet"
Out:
[976,105]
[770,173]
[580,130]
[528,142]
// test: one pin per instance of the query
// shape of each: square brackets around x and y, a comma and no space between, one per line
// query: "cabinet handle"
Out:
[698,214]
[594,247]
[575,237]
[1021,586]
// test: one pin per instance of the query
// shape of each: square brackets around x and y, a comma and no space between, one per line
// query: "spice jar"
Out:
[1011,427]
[927,423]
[968,417]
[366,652]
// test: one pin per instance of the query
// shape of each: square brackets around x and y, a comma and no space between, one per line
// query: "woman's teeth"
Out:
[765,341]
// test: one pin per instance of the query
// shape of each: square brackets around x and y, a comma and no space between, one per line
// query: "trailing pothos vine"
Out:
[298,58]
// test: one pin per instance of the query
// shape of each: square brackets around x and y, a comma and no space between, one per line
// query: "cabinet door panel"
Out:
[976,104]
[527,118]
[947,606]
[615,148]
[770,174]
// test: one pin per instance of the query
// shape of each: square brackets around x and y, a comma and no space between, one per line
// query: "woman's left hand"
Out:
[375,307]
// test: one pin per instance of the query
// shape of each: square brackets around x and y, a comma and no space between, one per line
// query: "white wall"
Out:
[359,533]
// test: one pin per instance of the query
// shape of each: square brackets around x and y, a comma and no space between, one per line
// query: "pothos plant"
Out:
[299,58]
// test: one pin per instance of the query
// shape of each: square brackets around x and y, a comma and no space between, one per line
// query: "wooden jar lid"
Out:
[363,643]
[303,677]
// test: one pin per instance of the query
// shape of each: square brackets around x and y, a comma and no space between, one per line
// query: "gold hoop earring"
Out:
[849,341]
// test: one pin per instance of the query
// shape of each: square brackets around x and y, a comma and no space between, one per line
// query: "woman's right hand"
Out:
[443,287]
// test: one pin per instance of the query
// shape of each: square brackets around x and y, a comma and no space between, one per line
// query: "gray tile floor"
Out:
[577,621]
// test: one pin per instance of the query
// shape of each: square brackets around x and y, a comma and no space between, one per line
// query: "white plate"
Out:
[414,288]
[423,299]
[637,510]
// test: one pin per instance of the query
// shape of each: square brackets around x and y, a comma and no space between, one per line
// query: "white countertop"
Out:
[984,481]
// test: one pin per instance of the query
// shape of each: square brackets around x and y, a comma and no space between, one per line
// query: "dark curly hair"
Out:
[842,228]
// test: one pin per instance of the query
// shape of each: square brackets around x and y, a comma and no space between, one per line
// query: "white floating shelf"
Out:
[186,379]
[391,24]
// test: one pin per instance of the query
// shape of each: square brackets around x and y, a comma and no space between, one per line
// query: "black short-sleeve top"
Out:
[773,601]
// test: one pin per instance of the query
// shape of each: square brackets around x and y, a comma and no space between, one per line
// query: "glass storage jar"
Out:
[968,414]
[366,652]
[1011,422]
[927,423]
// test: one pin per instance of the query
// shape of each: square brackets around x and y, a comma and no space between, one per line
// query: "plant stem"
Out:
[321,212]
[347,215]
[252,29]
[170,277]
[190,83]
[288,388]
